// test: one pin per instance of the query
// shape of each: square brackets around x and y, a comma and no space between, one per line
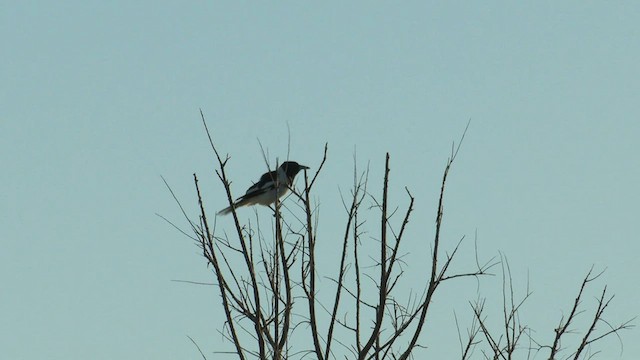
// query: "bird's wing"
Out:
[266,182]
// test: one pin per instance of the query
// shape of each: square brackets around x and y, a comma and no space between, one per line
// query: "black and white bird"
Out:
[271,185]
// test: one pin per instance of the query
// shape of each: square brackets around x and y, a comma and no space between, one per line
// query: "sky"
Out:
[99,100]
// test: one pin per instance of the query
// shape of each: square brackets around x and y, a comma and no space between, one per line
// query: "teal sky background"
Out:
[99,99]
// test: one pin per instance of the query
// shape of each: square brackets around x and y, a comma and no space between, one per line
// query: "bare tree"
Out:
[515,340]
[270,293]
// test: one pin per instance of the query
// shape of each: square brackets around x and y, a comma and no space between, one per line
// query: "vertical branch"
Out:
[276,276]
[597,316]
[356,239]
[358,287]
[405,221]
[384,276]
[310,291]
[400,320]
[435,279]
[208,242]
[355,203]
[562,328]
[505,304]
[287,283]
[467,349]
[276,269]
[245,252]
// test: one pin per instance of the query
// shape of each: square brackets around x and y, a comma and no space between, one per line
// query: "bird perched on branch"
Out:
[271,185]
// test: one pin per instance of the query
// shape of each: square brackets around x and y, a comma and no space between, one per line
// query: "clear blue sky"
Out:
[98,99]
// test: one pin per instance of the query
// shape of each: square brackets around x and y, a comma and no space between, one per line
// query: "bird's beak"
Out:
[304,167]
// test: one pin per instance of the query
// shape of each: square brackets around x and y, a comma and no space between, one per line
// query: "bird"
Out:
[264,192]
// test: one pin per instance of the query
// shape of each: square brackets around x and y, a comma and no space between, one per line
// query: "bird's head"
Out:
[292,168]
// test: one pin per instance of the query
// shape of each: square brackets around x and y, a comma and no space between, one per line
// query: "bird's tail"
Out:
[225,211]
[237,204]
